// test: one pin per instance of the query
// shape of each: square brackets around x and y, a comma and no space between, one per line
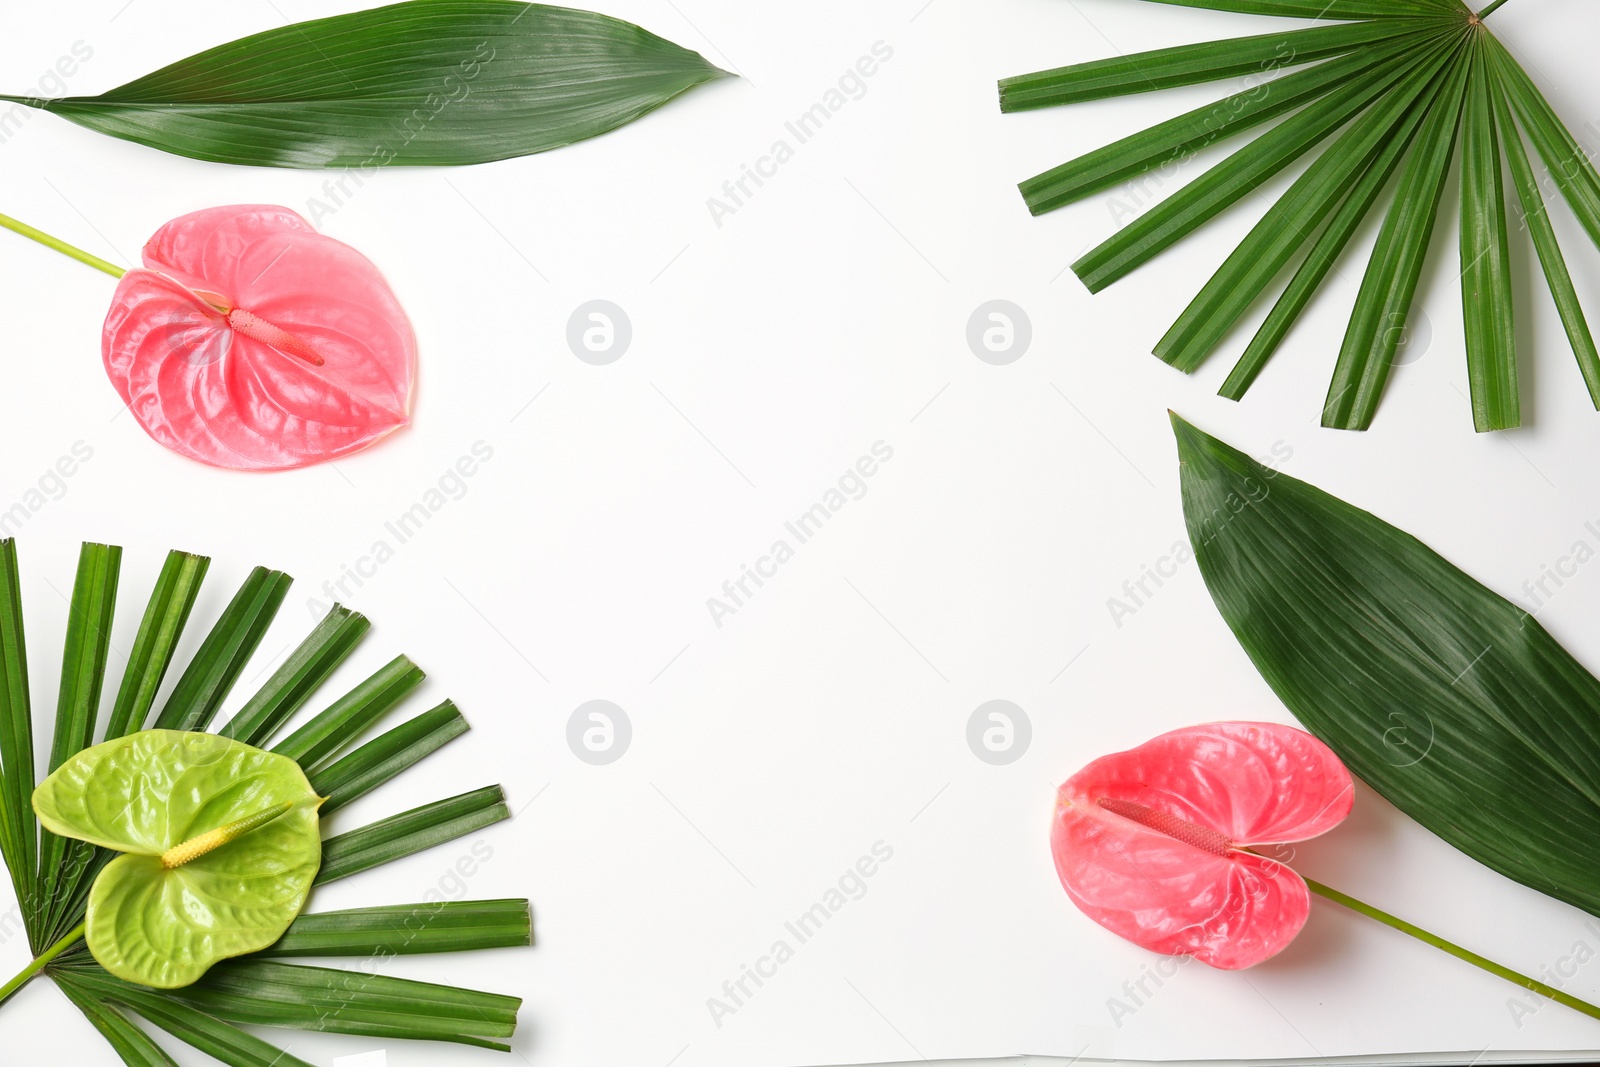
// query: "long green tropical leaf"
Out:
[1571,166]
[1449,700]
[422,83]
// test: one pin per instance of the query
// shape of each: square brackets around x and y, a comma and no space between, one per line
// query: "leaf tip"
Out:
[1187,434]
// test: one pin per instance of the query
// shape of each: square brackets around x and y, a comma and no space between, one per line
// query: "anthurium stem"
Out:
[72,938]
[1532,984]
[61,246]
[1491,9]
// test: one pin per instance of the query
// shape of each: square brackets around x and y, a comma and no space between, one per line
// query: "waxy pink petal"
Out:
[253,342]
[1148,842]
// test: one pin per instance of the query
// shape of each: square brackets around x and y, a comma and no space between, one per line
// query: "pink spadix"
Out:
[1156,843]
[251,341]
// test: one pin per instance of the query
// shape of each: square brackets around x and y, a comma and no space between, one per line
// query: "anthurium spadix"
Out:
[219,841]
[248,340]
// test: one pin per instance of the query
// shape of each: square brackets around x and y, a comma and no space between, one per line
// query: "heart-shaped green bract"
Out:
[220,844]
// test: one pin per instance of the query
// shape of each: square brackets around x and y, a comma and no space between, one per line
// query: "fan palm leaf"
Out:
[52,875]
[1390,96]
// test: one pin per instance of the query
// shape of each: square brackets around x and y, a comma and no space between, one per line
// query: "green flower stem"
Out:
[61,246]
[1533,984]
[1491,9]
[72,938]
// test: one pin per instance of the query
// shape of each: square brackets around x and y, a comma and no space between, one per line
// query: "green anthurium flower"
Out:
[220,844]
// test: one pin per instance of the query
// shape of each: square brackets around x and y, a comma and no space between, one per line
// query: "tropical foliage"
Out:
[1448,699]
[1391,97]
[419,83]
[53,876]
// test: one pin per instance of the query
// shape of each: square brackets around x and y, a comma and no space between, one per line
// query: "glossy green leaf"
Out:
[428,82]
[1448,699]
[221,844]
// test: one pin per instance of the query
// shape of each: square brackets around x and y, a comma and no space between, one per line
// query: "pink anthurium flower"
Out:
[251,341]
[1156,843]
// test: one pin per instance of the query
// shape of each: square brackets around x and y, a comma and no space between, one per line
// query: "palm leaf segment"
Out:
[1390,97]
[52,875]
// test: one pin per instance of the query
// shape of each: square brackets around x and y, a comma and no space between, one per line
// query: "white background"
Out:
[829,713]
